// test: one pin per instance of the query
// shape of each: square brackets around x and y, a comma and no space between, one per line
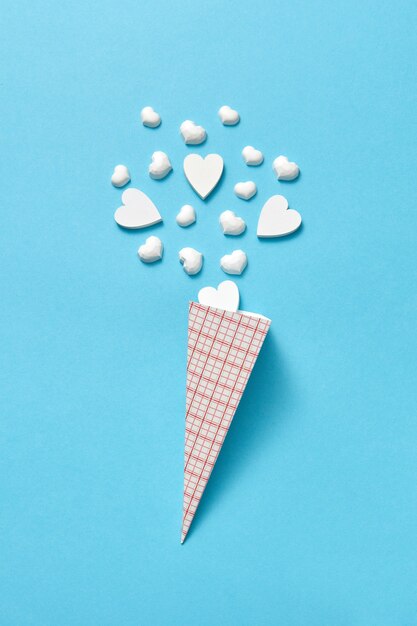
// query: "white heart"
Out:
[231,224]
[137,211]
[226,296]
[234,263]
[160,165]
[203,174]
[186,216]
[276,219]
[192,133]
[191,259]
[120,176]
[245,190]
[228,116]
[252,156]
[285,169]
[150,117]
[151,250]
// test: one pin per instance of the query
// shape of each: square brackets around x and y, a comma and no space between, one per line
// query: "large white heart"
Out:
[276,219]
[203,174]
[137,210]
[226,296]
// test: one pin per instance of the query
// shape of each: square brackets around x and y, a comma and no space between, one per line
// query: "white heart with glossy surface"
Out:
[234,263]
[246,190]
[226,296]
[137,211]
[151,251]
[191,259]
[120,176]
[192,133]
[252,156]
[149,117]
[228,116]
[160,165]
[285,169]
[231,223]
[276,219]
[203,174]
[186,216]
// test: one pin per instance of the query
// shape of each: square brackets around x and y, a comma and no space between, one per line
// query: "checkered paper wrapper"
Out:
[223,347]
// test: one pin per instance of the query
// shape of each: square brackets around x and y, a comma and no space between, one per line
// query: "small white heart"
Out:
[160,165]
[120,176]
[225,297]
[276,219]
[203,174]
[151,250]
[192,133]
[137,211]
[234,263]
[191,259]
[149,117]
[186,216]
[252,156]
[245,190]
[285,169]
[228,116]
[231,224]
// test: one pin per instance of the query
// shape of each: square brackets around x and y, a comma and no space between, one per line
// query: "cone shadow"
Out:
[258,418]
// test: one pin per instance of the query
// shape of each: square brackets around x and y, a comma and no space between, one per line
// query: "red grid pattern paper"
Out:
[222,349]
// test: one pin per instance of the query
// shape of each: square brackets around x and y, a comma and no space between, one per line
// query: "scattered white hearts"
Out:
[252,156]
[245,190]
[191,259]
[137,211]
[191,133]
[225,297]
[228,116]
[231,224]
[234,263]
[149,117]
[120,176]
[285,169]
[160,165]
[203,174]
[151,251]
[276,219]
[186,216]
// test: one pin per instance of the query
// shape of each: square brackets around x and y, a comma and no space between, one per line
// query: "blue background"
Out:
[310,514]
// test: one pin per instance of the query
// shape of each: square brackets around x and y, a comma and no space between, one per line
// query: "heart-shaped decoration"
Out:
[285,169]
[234,263]
[203,174]
[276,219]
[226,296]
[231,223]
[192,133]
[151,250]
[245,190]
[228,116]
[160,165]
[252,156]
[186,216]
[149,117]
[120,176]
[191,259]
[137,211]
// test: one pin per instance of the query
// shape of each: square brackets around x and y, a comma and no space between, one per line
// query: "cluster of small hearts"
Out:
[203,174]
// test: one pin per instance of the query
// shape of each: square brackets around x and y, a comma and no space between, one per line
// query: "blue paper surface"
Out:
[309,517]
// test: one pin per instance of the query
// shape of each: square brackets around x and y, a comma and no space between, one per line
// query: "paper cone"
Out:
[222,349]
